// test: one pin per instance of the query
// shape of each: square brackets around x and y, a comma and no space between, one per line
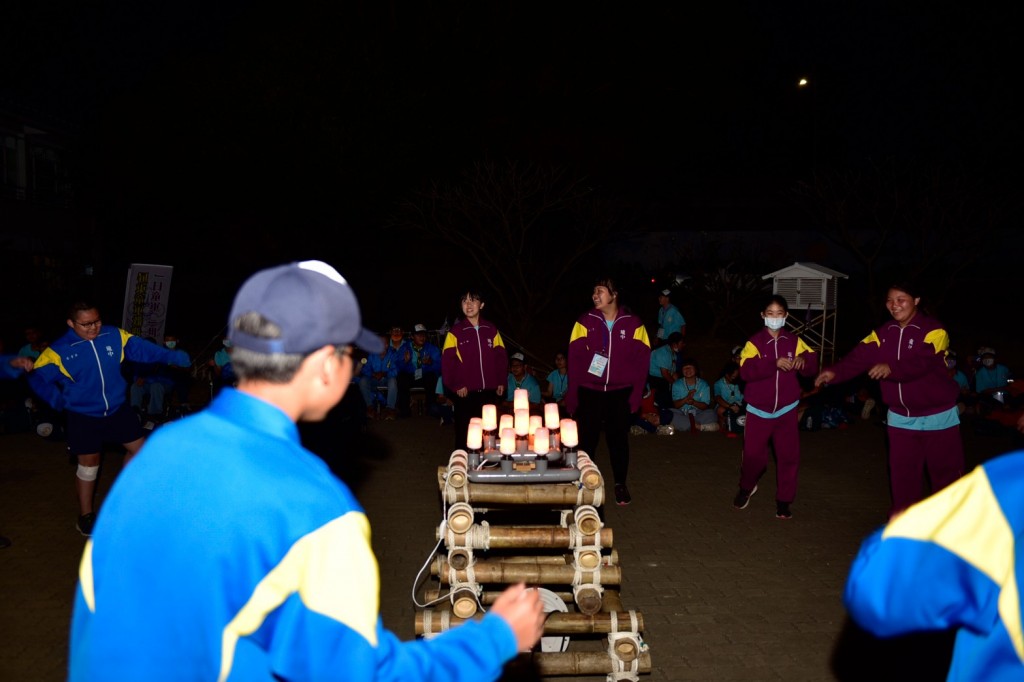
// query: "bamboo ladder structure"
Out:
[550,535]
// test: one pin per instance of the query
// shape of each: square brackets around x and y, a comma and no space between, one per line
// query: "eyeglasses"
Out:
[90,325]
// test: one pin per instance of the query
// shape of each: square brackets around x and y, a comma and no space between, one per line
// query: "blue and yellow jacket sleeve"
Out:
[146,352]
[952,561]
[6,370]
[46,379]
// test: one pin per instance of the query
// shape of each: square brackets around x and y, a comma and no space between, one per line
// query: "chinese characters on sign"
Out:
[145,300]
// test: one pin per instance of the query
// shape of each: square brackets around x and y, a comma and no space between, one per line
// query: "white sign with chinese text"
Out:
[145,300]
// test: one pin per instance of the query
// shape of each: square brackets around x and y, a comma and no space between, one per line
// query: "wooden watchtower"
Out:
[811,291]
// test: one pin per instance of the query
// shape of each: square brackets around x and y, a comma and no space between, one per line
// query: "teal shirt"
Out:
[529,383]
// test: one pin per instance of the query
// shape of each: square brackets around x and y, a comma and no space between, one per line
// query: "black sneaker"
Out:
[85,524]
[782,510]
[742,498]
[622,497]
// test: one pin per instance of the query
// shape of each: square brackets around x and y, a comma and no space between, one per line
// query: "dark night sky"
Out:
[284,125]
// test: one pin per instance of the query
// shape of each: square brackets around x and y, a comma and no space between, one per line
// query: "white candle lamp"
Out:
[489,421]
[551,417]
[570,441]
[474,437]
[521,424]
[489,417]
[536,422]
[541,442]
[570,435]
[507,444]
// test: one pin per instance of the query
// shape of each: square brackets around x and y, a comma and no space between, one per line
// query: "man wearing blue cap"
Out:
[231,552]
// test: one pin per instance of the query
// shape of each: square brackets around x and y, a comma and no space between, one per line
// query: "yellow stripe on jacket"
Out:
[967,520]
[332,569]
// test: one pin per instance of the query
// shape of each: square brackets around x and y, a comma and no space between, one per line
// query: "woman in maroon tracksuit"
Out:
[907,356]
[474,364]
[609,355]
[769,364]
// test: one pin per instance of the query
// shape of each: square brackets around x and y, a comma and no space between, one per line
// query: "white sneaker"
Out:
[666,430]
[709,427]
[869,405]
[637,431]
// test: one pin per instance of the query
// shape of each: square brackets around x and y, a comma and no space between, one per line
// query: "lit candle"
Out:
[570,435]
[540,441]
[508,442]
[474,436]
[477,420]
[490,417]
[551,416]
[536,421]
[506,422]
[521,400]
[522,422]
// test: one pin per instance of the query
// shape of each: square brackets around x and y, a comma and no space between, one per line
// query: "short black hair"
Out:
[472,293]
[80,307]
[906,287]
[674,337]
[781,300]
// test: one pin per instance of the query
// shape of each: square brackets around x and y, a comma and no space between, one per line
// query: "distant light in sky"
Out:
[803,83]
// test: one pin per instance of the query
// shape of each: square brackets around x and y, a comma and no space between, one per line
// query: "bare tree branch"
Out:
[525,226]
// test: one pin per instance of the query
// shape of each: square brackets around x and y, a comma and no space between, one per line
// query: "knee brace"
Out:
[87,473]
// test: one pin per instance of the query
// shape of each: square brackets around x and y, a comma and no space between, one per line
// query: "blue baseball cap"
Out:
[311,303]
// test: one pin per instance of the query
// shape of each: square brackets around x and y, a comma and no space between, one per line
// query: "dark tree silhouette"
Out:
[524,227]
[934,226]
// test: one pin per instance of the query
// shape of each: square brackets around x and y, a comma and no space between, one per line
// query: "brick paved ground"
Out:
[725,595]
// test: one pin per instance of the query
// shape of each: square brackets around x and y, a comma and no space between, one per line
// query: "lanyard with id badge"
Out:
[599,362]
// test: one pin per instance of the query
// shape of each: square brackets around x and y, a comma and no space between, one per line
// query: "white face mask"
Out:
[775,323]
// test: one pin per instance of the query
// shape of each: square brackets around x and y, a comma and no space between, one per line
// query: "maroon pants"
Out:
[911,452]
[759,435]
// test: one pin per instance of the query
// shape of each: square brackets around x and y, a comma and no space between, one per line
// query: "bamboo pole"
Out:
[460,517]
[533,573]
[432,594]
[626,648]
[590,475]
[612,601]
[588,599]
[567,494]
[588,521]
[463,603]
[458,469]
[509,537]
[557,623]
[581,663]
[458,559]
[612,598]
